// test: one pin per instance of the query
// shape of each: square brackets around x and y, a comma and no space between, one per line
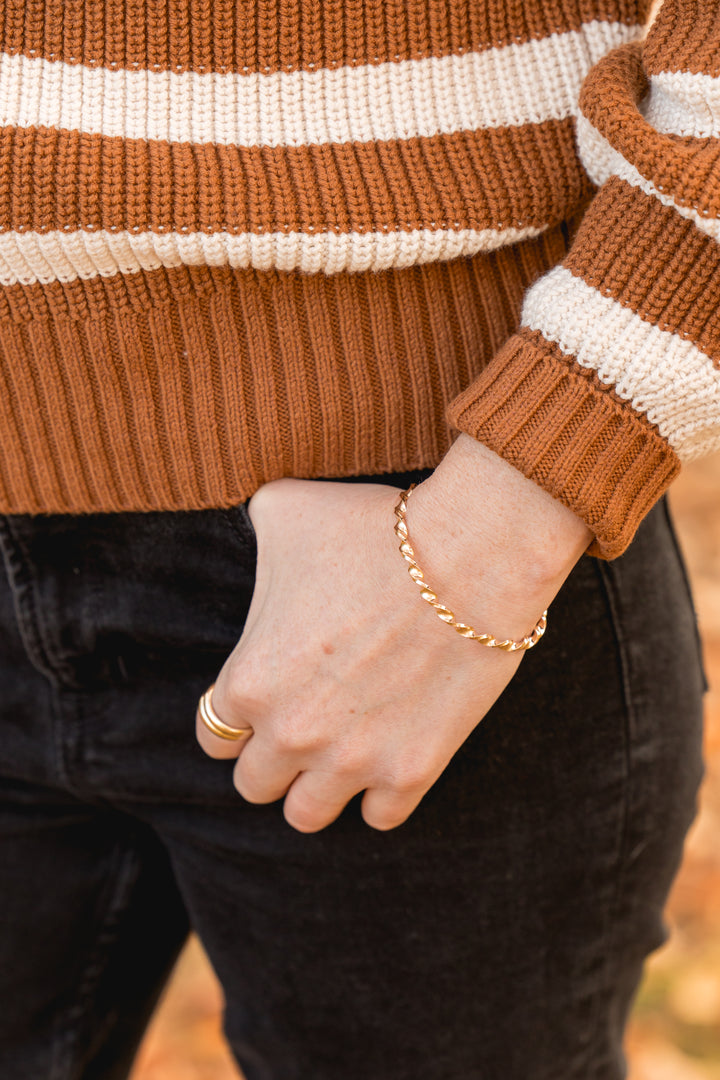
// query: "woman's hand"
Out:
[348,679]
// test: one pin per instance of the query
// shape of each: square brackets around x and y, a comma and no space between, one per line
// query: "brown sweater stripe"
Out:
[639,226]
[100,298]
[66,180]
[609,100]
[684,38]
[268,37]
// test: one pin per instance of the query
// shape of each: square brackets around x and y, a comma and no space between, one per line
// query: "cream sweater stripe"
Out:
[684,103]
[32,257]
[500,87]
[663,376]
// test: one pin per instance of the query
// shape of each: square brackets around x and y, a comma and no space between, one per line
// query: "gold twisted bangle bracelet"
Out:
[444,613]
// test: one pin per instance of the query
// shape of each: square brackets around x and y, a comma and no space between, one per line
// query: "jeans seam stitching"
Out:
[20,578]
[119,888]
[688,588]
[608,580]
[42,651]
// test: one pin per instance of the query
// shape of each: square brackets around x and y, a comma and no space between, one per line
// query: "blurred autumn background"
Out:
[675,1032]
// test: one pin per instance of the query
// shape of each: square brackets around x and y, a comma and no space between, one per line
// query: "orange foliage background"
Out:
[675,1031]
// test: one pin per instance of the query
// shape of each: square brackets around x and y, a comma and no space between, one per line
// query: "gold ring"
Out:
[212,721]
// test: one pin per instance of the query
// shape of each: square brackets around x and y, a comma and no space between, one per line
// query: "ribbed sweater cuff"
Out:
[560,427]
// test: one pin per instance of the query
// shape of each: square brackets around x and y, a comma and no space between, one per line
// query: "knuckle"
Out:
[309,810]
[243,783]
[242,681]
[242,690]
[415,771]
[409,778]
[251,792]
[304,825]
[304,818]
[231,703]
[287,740]
[225,696]
[350,762]
[257,783]
[296,736]
[383,820]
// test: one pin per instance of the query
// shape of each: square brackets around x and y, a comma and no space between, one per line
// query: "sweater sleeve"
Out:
[613,378]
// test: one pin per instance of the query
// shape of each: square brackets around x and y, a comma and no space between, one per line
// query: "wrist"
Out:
[493,540]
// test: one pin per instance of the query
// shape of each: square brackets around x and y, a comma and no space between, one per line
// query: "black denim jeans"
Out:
[497,935]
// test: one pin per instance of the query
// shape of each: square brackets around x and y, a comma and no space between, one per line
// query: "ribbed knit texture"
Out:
[195,385]
[240,242]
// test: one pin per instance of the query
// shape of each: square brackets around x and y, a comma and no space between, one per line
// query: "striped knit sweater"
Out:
[241,239]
